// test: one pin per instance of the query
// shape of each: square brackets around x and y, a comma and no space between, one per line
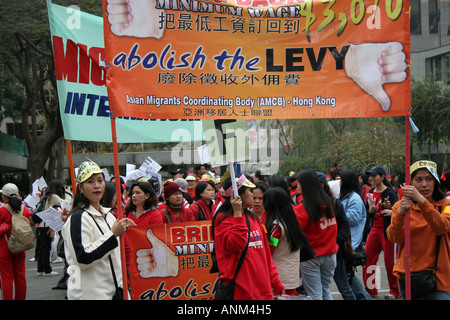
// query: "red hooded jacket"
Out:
[258,274]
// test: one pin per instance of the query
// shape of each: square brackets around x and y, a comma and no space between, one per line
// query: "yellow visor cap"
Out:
[426,164]
[86,170]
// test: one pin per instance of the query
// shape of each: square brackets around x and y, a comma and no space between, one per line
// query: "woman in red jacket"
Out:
[317,218]
[258,275]
[143,207]
[204,207]
[173,210]
[12,265]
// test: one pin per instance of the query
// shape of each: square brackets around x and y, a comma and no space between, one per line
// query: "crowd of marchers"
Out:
[275,237]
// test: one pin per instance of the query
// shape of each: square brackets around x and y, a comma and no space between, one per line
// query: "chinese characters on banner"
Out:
[257,59]
[182,253]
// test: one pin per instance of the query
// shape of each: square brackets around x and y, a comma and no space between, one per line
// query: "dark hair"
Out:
[79,201]
[199,167]
[55,187]
[122,182]
[438,194]
[147,188]
[261,185]
[278,181]
[364,177]
[386,182]
[334,172]
[349,184]
[110,192]
[401,179]
[14,202]
[314,196]
[200,187]
[279,209]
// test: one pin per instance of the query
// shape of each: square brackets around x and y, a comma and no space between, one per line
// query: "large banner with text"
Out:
[79,54]
[257,59]
[172,261]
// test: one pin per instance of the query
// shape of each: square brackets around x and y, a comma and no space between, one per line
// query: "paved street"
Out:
[40,287]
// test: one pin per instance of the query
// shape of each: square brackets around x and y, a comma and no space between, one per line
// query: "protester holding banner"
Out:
[430,227]
[91,240]
[317,218]
[143,207]
[235,229]
[204,206]
[12,265]
[285,236]
[174,210]
[381,197]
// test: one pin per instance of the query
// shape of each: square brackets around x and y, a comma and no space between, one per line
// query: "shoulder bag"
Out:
[226,291]
[422,282]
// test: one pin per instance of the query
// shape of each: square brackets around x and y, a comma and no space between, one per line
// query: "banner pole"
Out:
[407,215]
[119,207]
[233,179]
[71,166]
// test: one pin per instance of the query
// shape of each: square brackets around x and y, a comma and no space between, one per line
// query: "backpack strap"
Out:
[242,257]
[167,215]
[11,211]
[116,284]
[438,244]
[201,214]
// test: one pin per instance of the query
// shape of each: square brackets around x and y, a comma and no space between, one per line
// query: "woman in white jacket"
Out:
[91,240]
[284,235]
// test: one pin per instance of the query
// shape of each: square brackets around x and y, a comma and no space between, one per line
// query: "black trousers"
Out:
[45,244]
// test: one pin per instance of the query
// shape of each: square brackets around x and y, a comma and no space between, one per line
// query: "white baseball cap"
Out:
[10,189]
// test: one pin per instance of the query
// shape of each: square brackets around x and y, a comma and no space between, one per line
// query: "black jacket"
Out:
[393,198]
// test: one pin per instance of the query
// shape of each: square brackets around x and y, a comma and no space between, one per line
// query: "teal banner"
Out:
[78,48]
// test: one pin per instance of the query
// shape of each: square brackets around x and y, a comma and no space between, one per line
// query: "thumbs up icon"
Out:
[371,65]
[158,261]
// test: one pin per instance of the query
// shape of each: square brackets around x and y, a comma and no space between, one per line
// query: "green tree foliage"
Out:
[27,56]
[28,78]
[379,142]
[431,111]
[356,144]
